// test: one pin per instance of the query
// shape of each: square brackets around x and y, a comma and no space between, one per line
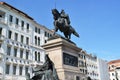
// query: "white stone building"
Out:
[20,41]
[92,67]
[114,70]
[103,70]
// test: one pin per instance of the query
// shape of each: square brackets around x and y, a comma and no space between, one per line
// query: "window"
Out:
[36,29]
[8,50]
[22,25]
[7,70]
[0,45]
[15,52]
[35,40]
[22,38]
[35,56]
[14,69]
[27,54]
[45,41]
[38,56]
[77,78]
[112,74]
[27,26]
[17,21]
[38,41]
[9,34]
[0,31]
[27,40]
[45,34]
[26,70]
[11,18]
[39,31]
[50,35]
[16,36]
[20,70]
[21,53]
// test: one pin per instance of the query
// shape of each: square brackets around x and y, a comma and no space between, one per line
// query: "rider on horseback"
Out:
[62,23]
[66,17]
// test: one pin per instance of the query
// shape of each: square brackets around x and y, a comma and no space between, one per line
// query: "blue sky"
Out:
[97,22]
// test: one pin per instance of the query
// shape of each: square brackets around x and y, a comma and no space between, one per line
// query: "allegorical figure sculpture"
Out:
[62,23]
[45,72]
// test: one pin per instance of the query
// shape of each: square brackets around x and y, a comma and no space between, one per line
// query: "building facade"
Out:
[103,70]
[20,43]
[97,69]
[114,69]
[92,67]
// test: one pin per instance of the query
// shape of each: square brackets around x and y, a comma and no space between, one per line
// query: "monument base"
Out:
[65,56]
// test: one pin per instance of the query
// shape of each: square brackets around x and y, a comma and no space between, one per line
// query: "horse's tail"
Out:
[76,34]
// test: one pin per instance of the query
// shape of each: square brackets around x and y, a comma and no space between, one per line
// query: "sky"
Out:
[97,22]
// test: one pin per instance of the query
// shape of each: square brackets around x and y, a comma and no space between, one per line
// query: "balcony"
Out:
[8,60]
[2,38]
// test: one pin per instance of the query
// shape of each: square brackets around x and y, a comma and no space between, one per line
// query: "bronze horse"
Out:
[61,25]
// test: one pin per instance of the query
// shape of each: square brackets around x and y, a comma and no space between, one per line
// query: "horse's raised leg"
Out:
[56,28]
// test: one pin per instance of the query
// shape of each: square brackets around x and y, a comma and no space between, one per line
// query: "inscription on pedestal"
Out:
[70,60]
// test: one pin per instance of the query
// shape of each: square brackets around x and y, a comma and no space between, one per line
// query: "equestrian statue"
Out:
[62,23]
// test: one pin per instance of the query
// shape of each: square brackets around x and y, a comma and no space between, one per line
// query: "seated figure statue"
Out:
[45,72]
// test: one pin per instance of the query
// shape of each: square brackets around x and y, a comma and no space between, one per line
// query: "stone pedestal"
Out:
[64,55]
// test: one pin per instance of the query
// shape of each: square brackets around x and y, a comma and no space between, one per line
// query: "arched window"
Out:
[35,40]
[38,56]
[38,41]
[35,56]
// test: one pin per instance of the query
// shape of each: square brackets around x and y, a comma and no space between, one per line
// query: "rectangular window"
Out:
[26,70]
[10,18]
[27,26]
[0,45]
[17,21]
[22,25]
[0,31]
[14,69]
[21,53]
[36,29]
[27,54]
[27,40]
[8,50]
[9,34]
[22,38]
[77,78]
[45,34]
[38,41]
[16,36]
[15,52]
[7,70]
[38,56]
[20,70]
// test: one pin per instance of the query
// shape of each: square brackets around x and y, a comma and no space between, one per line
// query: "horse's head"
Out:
[55,13]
